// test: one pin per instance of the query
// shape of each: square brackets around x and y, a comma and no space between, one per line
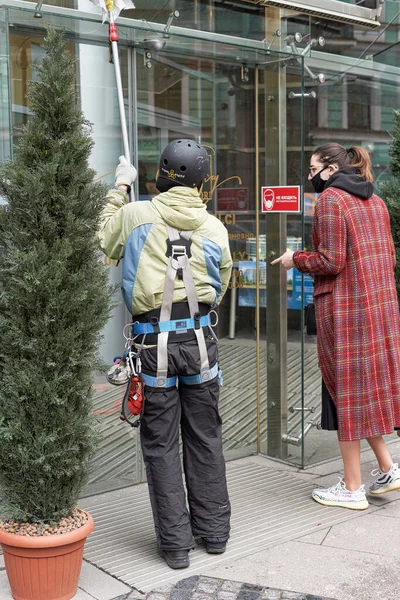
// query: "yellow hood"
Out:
[181,207]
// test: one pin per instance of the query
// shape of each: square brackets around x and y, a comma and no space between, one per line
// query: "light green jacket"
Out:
[136,232]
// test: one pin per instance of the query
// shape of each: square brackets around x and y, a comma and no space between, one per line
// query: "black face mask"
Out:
[318,183]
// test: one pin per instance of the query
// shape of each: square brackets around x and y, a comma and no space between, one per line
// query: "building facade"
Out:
[260,83]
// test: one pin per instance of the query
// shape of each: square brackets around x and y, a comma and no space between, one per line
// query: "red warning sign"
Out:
[282,198]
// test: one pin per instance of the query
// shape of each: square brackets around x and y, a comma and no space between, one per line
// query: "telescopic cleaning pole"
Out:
[113,38]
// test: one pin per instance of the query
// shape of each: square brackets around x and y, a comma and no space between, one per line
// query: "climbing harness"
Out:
[178,254]
[127,369]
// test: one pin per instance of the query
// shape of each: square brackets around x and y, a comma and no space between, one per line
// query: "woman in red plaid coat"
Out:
[357,316]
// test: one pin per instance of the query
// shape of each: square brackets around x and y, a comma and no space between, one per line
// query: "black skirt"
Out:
[329,420]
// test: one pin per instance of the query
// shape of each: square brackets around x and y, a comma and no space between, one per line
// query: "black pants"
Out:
[192,410]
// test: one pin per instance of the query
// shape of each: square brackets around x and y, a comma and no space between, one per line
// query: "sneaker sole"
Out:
[362,505]
[389,487]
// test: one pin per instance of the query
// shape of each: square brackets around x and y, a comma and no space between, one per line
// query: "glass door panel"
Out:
[282,352]
[212,101]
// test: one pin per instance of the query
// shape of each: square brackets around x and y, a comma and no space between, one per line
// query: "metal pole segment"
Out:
[258,292]
[117,68]
[114,46]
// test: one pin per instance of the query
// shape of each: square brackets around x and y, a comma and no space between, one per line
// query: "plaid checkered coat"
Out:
[357,311]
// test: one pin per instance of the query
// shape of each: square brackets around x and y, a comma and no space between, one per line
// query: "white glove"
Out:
[125,174]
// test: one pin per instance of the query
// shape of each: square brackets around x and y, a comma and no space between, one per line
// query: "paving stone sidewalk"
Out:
[208,588]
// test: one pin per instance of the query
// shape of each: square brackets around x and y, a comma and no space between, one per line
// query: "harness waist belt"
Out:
[178,325]
[186,379]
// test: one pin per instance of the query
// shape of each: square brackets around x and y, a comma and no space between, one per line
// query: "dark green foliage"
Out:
[395,147]
[390,192]
[54,300]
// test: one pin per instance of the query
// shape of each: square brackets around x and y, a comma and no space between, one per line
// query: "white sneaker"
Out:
[386,482]
[339,495]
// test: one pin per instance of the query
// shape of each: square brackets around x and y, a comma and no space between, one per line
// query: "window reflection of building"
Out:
[356,107]
[26,52]
[147,183]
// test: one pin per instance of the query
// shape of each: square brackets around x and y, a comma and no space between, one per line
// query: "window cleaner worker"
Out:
[176,268]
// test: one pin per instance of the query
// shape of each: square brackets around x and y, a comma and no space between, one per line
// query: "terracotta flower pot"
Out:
[44,567]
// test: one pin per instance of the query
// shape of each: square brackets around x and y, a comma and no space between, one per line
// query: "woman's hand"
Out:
[286,260]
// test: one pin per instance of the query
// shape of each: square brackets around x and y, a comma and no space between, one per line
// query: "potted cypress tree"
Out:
[389,191]
[54,301]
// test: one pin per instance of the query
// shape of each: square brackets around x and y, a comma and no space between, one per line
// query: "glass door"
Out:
[234,107]
[286,359]
[211,100]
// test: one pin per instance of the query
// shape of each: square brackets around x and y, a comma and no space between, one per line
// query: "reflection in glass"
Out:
[206,100]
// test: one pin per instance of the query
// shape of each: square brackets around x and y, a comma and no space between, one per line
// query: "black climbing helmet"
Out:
[183,162]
